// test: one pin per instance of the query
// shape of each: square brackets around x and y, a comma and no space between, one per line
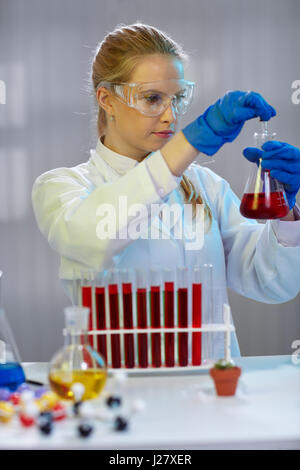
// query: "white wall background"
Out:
[48,122]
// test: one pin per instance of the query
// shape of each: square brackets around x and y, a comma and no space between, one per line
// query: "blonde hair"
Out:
[114,61]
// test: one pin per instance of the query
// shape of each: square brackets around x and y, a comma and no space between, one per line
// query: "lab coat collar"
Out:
[120,163]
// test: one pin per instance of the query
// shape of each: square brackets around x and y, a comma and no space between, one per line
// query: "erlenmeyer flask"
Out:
[264,197]
[11,371]
[77,362]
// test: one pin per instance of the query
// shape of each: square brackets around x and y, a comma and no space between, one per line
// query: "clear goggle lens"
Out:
[149,99]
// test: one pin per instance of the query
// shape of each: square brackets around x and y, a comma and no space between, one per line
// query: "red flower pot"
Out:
[225,380]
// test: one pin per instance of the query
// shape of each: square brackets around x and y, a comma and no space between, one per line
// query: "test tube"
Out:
[113,295]
[169,300]
[101,314]
[155,303]
[142,290]
[182,300]
[207,311]
[127,279]
[76,288]
[196,314]
[226,316]
[88,300]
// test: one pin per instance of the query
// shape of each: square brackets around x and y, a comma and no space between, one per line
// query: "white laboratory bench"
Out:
[183,412]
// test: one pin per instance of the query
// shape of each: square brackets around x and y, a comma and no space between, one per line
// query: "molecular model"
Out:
[43,408]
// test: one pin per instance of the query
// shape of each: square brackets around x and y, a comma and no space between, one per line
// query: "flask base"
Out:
[258,206]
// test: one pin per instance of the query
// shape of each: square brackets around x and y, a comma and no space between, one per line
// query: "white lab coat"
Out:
[259,261]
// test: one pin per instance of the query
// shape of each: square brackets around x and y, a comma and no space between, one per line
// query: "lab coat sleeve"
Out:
[288,233]
[258,265]
[160,174]
[66,205]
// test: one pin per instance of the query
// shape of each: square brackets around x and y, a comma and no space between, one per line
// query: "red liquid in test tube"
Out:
[182,323]
[114,324]
[182,309]
[101,322]
[155,323]
[142,323]
[128,324]
[169,323]
[196,322]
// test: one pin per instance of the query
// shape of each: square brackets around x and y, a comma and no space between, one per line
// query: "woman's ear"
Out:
[104,99]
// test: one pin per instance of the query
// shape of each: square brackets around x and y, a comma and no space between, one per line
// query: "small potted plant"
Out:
[225,375]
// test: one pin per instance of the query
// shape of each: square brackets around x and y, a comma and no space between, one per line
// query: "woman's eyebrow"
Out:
[150,90]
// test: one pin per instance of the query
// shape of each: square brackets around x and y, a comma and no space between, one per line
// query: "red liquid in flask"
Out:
[128,324]
[142,323]
[258,206]
[197,318]
[169,323]
[182,323]
[114,325]
[100,307]
[155,322]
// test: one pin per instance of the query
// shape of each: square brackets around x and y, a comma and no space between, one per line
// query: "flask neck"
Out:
[76,337]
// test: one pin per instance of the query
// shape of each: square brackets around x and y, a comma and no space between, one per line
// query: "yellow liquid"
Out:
[93,380]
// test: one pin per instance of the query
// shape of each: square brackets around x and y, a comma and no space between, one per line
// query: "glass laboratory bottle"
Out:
[77,362]
[11,372]
[264,196]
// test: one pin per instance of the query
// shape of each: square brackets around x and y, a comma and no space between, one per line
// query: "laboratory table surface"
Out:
[182,411]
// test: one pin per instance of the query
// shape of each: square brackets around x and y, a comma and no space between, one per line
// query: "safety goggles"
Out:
[151,98]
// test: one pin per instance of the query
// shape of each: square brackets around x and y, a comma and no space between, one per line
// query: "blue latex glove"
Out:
[283,161]
[223,121]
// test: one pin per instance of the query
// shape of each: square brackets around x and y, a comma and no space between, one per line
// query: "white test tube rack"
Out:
[207,328]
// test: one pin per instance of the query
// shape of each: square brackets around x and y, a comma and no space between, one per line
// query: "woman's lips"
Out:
[164,135]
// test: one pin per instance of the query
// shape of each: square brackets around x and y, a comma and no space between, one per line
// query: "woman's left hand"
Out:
[283,161]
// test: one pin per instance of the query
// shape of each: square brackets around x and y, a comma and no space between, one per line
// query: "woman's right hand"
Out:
[223,121]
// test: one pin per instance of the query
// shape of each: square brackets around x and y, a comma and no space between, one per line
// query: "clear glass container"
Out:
[11,372]
[264,197]
[77,362]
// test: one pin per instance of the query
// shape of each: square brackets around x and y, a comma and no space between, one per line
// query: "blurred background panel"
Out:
[49,121]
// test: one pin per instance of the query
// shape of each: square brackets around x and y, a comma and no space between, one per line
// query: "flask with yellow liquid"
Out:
[77,361]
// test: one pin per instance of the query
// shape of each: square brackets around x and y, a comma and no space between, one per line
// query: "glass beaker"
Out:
[264,196]
[77,362]
[11,371]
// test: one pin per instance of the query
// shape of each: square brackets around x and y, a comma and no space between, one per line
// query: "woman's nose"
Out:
[169,113]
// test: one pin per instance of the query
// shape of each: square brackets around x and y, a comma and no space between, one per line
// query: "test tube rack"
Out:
[153,320]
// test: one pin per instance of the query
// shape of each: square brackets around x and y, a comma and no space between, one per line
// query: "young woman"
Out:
[142,158]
